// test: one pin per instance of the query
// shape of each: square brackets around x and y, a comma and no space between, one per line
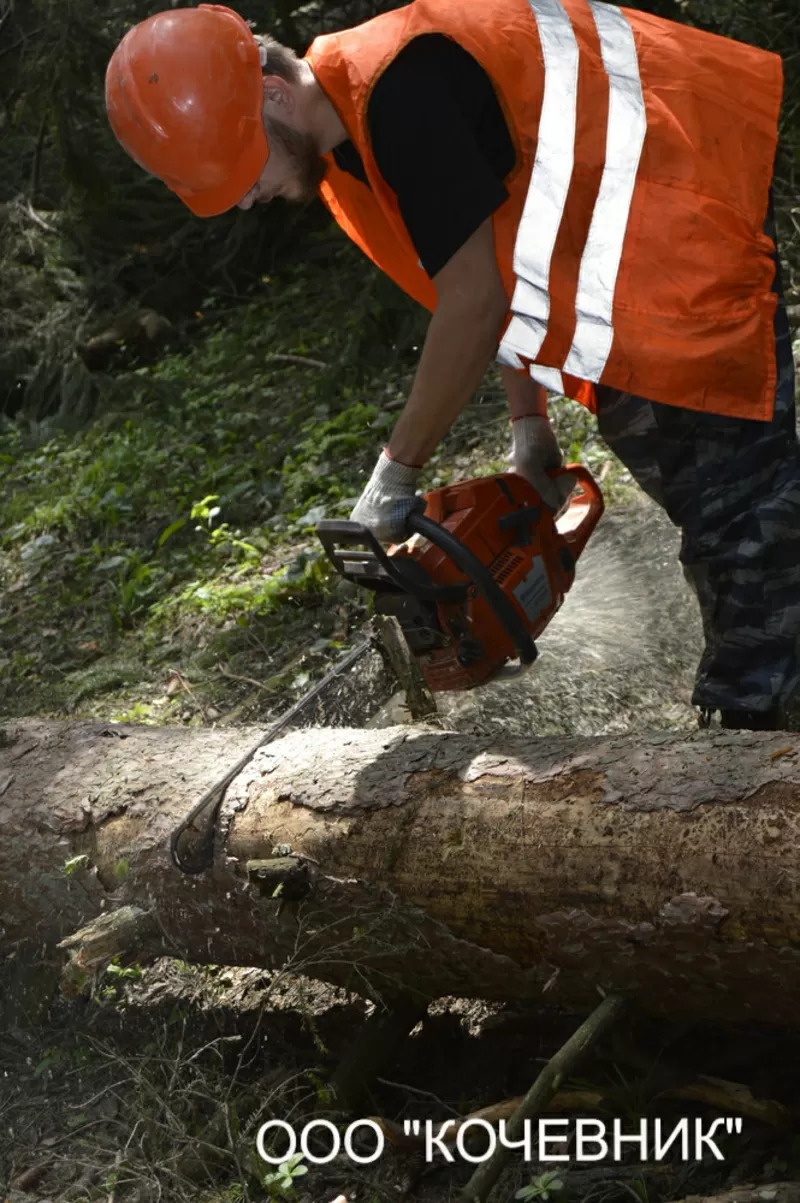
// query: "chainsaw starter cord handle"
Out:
[481,578]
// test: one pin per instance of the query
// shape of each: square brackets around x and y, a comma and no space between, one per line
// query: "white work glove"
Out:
[388,499]
[534,453]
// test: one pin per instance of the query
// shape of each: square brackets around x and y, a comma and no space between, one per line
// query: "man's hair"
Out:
[277,59]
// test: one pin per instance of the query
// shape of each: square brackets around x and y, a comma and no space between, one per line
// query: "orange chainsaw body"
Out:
[476,584]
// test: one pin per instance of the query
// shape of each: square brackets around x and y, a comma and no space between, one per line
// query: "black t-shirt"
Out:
[441,143]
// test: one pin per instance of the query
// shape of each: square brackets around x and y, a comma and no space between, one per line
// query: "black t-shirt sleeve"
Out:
[441,144]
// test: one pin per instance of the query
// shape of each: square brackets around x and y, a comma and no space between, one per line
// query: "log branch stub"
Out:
[120,933]
[128,933]
[285,877]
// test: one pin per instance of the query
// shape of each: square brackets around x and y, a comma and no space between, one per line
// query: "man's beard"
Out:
[301,150]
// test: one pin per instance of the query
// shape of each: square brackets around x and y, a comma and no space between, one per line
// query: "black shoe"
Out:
[751,720]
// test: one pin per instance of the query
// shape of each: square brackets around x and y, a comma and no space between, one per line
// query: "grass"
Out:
[160,565]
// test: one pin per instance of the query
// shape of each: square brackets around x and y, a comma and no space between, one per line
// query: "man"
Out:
[579,190]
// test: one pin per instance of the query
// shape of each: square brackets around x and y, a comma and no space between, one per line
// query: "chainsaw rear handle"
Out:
[583,512]
[468,563]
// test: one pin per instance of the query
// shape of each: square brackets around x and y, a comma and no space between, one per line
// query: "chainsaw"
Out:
[484,569]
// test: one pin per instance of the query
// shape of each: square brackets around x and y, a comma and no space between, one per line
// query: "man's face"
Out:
[294,169]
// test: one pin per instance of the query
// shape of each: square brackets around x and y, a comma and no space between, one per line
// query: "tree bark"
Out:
[664,868]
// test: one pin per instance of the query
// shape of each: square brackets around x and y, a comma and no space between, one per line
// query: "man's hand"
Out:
[534,453]
[388,499]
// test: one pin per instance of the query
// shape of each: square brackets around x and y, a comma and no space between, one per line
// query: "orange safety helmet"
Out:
[184,95]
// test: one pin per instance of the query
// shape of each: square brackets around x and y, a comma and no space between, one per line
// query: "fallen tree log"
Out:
[665,868]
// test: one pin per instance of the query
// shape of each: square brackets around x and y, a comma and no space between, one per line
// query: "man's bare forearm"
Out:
[460,344]
[526,398]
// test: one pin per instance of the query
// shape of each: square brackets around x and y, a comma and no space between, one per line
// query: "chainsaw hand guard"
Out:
[371,563]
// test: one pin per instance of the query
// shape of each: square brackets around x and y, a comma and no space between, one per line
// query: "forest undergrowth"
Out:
[180,403]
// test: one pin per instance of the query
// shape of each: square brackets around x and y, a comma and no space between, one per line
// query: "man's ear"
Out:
[278,96]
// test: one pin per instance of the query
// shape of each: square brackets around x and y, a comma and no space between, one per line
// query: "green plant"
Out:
[121,869]
[113,979]
[51,1059]
[541,1187]
[74,863]
[139,712]
[218,536]
[280,1183]
[134,590]
[636,1189]
[325,1094]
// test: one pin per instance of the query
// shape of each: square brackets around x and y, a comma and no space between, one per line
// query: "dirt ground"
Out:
[156,1088]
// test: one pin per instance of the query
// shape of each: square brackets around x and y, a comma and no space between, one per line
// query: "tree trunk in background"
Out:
[666,868]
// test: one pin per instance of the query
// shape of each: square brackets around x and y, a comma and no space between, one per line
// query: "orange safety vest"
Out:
[631,244]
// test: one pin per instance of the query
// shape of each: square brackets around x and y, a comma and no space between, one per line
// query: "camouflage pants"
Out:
[733,487]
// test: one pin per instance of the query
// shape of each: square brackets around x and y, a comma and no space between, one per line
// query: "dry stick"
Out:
[303,360]
[564,1063]
[39,221]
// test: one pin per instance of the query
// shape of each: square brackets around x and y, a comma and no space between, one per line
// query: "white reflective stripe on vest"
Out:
[549,378]
[506,354]
[627,124]
[549,186]
[517,340]
[551,175]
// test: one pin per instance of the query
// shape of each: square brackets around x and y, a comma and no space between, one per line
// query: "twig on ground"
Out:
[225,672]
[302,360]
[425,1094]
[547,1083]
